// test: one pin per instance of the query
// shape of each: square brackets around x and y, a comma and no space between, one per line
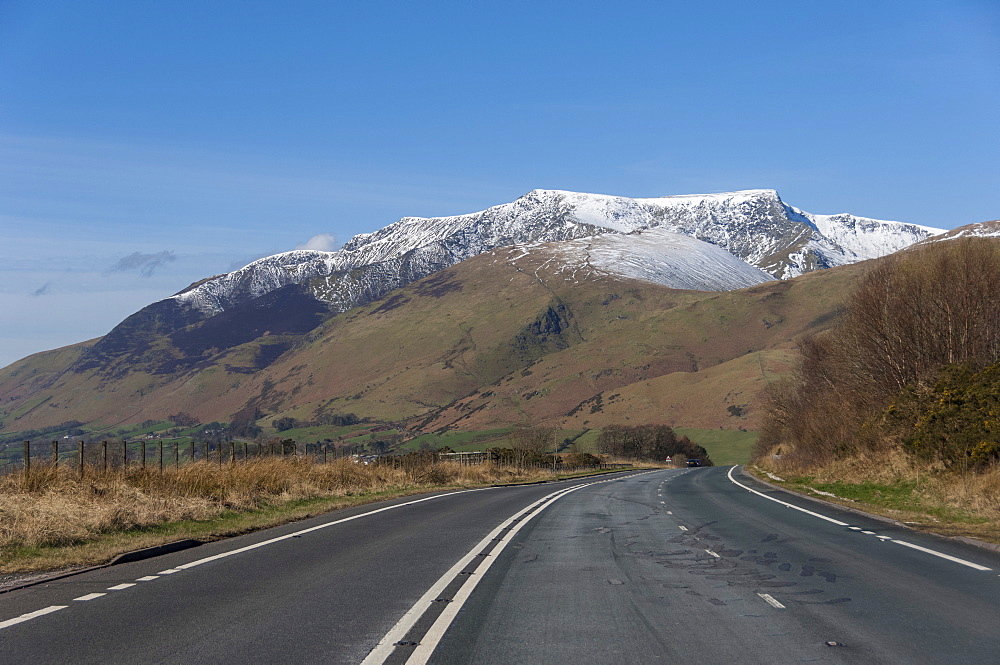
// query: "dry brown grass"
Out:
[54,507]
[898,485]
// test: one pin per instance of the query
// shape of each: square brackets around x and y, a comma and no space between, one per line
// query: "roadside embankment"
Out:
[895,485]
[51,518]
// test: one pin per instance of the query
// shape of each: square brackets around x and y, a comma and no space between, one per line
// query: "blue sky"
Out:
[145,145]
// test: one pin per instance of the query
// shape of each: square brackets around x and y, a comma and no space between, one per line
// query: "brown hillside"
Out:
[500,339]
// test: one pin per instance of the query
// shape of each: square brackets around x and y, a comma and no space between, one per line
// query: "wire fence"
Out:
[163,455]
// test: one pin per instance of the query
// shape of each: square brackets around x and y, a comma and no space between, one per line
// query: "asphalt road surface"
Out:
[682,566]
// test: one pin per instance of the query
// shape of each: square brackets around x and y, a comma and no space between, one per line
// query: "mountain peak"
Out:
[753,225]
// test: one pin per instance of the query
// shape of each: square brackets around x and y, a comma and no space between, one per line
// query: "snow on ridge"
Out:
[662,257]
[989,229]
[754,226]
[853,238]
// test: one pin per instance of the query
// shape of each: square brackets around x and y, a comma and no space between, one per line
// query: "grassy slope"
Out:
[454,346]
[723,446]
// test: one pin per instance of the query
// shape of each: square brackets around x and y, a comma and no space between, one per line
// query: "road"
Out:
[678,566]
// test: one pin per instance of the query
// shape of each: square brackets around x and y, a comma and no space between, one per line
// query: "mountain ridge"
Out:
[586,264]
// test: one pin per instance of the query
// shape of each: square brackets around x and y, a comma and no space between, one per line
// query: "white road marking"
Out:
[682,527]
[771,601]
[839,523]
[713,554]
[386,646]
[670,512]
[942,555]
[784,503]
[868,533]
[422,652]
[119,587]
[264,543]
[32,615]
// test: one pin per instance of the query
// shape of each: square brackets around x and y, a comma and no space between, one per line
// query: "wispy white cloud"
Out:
[324,242]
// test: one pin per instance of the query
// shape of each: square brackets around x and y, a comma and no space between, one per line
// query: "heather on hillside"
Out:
[909,366]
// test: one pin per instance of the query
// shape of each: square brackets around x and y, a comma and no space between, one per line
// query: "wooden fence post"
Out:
[192,451]
[177,454]
[27,456]
[144,453]
[104,444]
[161,457]
[124,454]
[55,453]
[82,459]
[218,447]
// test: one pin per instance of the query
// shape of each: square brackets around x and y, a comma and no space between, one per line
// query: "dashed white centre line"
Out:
[771,601]
[119,587]
[148,578]
[169,571]
[90,596]
[32,615]
[713,554]
[670,512]
[682,527]
[868,533]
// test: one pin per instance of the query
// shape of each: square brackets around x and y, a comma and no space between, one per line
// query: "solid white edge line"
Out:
[385,647]
[941,554]
[32,615]
[769,599]
[325,525]
[784,503]
[422,652]
[838,522]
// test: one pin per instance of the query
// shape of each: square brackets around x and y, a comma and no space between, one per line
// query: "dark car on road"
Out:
[694,462]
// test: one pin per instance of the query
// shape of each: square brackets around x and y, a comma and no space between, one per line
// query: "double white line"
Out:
[429,641]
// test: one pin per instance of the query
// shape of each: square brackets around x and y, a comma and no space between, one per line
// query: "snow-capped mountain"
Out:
[651,255]
[977,230]
[754,226]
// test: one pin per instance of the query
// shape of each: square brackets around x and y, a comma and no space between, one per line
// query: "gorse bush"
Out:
[911,315]
[955,420]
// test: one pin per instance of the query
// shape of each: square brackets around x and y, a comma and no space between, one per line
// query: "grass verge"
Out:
[942,503]
[52,519]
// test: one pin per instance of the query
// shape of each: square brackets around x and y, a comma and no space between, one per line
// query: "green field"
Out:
[724,446]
